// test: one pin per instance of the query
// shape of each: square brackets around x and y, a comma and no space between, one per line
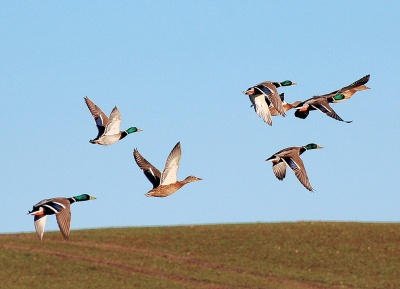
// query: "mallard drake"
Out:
[316,103]
[265,94]
[291,157]
[166,183]
[109,127]
[58,206]
[321,102]
[347,91]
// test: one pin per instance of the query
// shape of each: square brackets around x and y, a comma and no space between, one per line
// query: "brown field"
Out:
[309,255]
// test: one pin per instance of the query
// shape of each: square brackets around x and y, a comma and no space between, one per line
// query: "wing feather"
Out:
[64,221]
[274,97]
[113,126]
[279,170]
[297,166]
[40,224]
[169,174]
[151,172]
[100,118]
[261,107]
[324,107]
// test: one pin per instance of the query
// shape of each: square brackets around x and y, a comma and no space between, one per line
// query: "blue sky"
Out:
[177,70]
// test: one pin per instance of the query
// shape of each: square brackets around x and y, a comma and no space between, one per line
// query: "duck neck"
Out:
[72,200]
[123,134]
[302,150]
[277,84]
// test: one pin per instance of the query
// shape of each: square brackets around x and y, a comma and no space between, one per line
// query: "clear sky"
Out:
[177,69]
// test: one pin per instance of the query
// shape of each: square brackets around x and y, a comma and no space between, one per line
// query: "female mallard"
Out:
[316,103]
[265,94]
[58,206]
[291,157]
[347,91]
[109,128]
[166,183]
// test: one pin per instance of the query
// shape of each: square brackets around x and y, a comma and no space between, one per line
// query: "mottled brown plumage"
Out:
[291,157]
[166,183]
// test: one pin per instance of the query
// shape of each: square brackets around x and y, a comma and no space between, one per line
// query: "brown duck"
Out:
[164,184]
[291,157]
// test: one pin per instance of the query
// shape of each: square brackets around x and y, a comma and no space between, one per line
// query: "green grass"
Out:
[308,255]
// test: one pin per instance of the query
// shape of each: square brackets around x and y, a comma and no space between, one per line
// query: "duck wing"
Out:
[113,126]
[100,118]
[150,171]
[355,84]
[321,104]
[269,90]
[279,170]
[40,223]
[297,166]
[261,107]
[64,222]
[171,166]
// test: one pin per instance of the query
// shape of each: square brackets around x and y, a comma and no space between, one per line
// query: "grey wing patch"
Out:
[64,222]
[328,110]
[299,171]
[303,178]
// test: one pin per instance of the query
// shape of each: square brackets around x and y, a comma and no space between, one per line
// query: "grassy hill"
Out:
[309,255]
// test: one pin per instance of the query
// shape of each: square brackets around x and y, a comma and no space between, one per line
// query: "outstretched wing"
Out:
[355,84]
[171,166]
[269,89]
[100,118]
[64,221]
[151,172]
[40,223]
[114,123]
[297,166]
[261,107]
[324,107]
[279,170]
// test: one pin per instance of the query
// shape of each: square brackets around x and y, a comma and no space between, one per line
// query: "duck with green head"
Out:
[108,127]
[291,157]
[59,207]
[264,95]
[347,91]
[319,103]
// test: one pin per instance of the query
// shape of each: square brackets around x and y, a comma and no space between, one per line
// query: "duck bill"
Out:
[36,213]
[249,91]
[319,147]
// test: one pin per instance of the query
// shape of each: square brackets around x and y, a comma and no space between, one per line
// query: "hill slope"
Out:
[309,255]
